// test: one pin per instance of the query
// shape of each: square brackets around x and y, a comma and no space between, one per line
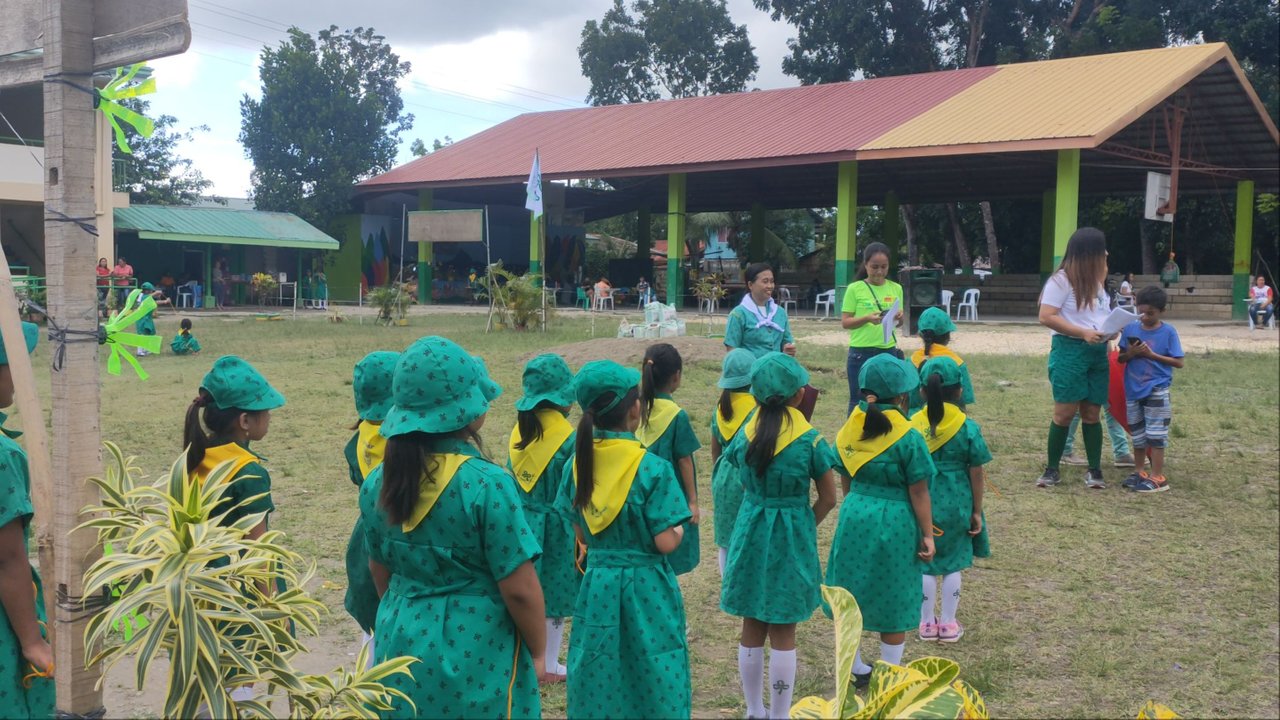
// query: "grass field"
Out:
[1091,603]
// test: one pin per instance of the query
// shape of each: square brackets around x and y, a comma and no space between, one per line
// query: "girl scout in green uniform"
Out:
[759,325]
[1073,305]
[773,575]
[735,406]
[959,452]
[629,657]
[371,383]
[449,549]
[665,431]
[540,448]
[865,303]
[935,328]
[26,660]
[886,525]
[184,343]
[146,325]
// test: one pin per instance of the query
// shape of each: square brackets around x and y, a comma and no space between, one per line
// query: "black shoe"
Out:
[1049,478]
[1093,479]
[861,680]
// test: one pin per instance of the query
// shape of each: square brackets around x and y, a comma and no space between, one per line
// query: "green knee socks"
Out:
[1057,443]
[1092,434]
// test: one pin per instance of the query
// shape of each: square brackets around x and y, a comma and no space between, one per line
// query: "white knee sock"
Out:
[555,636]
[950,596]
[724,555]
[859,667]
[930,599]
[751,669]
[367,639]
[892,654]
[782,680]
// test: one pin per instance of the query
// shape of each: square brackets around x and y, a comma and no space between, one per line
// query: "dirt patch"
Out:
[630,351]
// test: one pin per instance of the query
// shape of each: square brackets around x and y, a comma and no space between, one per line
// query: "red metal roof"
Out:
[817,123]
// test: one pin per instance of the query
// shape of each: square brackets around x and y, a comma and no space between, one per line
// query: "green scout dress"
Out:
[557,567]
[873,553]
[773,572]
[250,480]
[183,343]
[361,600]
[443,604]
[741,332]
[146,325]
[966,383]
[726,488]
[676,442]
[15,504]
[629,657]
[952,497]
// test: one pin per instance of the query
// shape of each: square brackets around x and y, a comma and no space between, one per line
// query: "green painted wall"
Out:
[342,268]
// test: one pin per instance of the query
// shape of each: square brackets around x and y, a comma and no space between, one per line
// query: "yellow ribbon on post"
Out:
[107,100]
[116,339]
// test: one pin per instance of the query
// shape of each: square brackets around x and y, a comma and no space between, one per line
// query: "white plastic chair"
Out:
[1271,322]
[825,301]
[946,300]
[787,300]
[970,303]
[708,306]
[185,295]
[602,300]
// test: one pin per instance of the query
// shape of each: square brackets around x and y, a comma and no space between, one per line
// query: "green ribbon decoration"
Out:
[118,340]
[118,89]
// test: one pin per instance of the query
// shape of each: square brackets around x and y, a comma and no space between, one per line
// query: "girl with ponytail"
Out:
[885,532]
[629,656]
[772,576]
[666,432]
[959,452]
[735,406]
[935,328]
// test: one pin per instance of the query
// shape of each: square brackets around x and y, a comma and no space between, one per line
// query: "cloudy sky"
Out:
[475,63]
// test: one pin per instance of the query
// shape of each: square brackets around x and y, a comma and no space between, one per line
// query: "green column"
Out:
[676,185]
[846,227]
[535,243]
[426,253]
[892,231]
[755,253]
[1244,249]
[1066,205]
[209,300]
[1046,235]
[644,236]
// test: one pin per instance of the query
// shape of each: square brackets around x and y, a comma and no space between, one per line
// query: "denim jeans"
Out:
[853,365]
[1261,315]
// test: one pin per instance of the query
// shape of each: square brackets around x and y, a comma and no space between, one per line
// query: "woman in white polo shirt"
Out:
[1073,305]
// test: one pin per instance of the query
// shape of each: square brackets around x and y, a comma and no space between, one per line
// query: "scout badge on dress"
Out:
[529,463]
[617,460]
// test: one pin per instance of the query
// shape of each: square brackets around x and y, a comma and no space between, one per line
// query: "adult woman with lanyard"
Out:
[759,325]
[865,302]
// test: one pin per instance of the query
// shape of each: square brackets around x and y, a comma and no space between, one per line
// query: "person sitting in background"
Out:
[643,290]
[184,343]
[1124,297]
[603,289]
[1262,303]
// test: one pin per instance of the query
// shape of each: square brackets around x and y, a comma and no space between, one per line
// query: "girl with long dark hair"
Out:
[866,300]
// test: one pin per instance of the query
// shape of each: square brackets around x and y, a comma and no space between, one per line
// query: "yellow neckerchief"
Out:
[370,447]
[430,492]
[615,464]
[215,456]
[528,464]
[856,452]
[742,404]
[787,434]
[660,418]
[952,420]
[918,357]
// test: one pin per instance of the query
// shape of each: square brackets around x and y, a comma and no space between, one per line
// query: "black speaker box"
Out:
[921,289]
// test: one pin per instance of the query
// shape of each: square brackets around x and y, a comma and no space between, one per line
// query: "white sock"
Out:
[555,636]
[724,556]
[751,669]
[892,654]
[782,680]
[859,667]
[950,596]
[930,599]
[367,639]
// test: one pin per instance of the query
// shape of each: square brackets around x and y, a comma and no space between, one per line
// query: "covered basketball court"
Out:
[1045,130]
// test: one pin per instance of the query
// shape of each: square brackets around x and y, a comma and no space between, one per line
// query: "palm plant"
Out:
[517,299]
[392,302]
[204,588]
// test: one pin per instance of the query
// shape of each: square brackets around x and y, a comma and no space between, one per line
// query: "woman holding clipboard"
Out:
[866,301]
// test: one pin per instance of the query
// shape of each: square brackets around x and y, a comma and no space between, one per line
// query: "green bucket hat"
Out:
[602,376]
[371,381]
[944,366]
[234,383]
[776,374]
[886,376]
[546,377]
[148,286]
[736,372]
[30,333]
[437,388]
[936,320]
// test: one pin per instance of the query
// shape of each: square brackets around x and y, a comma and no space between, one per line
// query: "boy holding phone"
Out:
[1150,349]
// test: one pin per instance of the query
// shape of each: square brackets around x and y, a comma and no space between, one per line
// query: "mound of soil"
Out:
[630,351]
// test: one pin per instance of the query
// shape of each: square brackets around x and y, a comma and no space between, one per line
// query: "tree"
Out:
[330,116]
[667,49]
[155,174]
[419,148]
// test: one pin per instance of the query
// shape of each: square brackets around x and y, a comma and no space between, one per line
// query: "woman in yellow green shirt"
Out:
[865,302]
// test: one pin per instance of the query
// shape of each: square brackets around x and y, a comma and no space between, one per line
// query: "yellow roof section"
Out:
[1045,105]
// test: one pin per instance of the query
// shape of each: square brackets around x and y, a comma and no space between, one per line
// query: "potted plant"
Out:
[392,303]
[709,289]
[517,299]
[263,287]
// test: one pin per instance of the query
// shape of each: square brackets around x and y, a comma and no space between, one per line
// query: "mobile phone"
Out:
[1134,340]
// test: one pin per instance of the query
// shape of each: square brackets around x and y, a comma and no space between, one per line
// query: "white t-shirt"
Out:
[1126,288]
[1058,293]
[1260,294]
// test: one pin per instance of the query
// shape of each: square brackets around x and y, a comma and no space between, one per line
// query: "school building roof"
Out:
[221,226]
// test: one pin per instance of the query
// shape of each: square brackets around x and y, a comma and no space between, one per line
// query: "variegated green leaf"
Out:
[1155,711]
[975,708]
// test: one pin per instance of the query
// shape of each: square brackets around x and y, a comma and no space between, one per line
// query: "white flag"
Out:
[533,189]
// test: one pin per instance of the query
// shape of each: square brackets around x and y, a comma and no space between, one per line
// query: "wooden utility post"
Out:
[70,144]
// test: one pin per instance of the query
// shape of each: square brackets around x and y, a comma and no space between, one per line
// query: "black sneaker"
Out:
[1093,479]
[1049,478]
